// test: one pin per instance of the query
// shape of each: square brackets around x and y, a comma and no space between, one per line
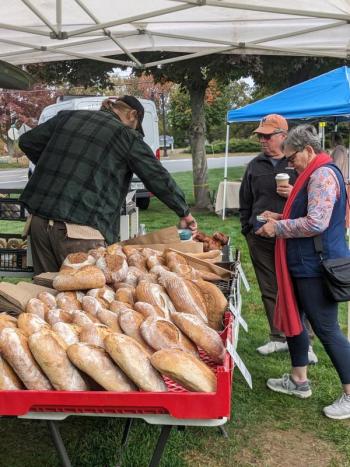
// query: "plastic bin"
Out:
[13,260]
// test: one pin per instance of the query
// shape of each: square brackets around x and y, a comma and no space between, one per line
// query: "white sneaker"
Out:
[312,356]
[340,409]
[273,346]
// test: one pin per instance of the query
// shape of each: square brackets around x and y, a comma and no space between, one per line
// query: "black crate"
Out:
[12,210]
[13,260]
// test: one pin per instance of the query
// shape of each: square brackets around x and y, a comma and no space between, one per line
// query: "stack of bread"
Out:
[125,319]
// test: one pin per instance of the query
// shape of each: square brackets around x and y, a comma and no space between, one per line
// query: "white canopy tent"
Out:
[34,31]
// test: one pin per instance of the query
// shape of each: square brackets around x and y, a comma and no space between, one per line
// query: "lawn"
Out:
[266,429]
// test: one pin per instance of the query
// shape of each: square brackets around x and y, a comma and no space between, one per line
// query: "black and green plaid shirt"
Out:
[84,164]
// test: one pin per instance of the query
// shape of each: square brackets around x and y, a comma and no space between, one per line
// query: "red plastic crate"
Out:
[177,402]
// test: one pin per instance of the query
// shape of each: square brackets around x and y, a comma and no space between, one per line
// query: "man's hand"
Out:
[188,222]
[271,215]
[284,190]
[268,230]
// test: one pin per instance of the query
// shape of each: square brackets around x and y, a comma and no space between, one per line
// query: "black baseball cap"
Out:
[135,104]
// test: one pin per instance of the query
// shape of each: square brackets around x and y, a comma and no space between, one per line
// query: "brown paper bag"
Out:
[14,297]
[167,235]
[202,265]
[186,247]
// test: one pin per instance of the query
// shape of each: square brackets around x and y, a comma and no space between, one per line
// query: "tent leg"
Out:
[225,170]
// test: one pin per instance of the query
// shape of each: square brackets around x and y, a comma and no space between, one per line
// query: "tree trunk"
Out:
[199,158]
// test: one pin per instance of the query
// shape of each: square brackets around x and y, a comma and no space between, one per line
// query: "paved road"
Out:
[17,178]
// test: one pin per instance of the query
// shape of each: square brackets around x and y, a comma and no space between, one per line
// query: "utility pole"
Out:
[165,152]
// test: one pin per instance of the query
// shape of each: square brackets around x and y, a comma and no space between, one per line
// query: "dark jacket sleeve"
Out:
[155,177]
[245,202]
[34,141]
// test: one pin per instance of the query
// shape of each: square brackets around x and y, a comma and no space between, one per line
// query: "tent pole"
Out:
[225,171]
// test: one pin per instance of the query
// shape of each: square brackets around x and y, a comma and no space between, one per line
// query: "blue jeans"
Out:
[322,312]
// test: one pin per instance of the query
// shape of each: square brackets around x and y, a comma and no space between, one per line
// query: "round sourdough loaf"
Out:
[85,278]
[130,356]
[78,260]
[185,369]
[114,267]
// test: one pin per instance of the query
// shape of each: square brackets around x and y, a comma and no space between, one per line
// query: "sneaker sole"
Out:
[265,354]
[301,395]
[336,417]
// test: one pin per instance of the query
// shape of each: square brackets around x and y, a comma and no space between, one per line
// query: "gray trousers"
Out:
[50,244]
[262,253]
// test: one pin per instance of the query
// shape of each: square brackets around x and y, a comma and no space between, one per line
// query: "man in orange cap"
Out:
[259,193]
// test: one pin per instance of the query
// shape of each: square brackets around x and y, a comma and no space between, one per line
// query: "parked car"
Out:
[149,125]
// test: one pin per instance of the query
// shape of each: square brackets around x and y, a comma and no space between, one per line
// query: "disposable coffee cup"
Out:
[282,179]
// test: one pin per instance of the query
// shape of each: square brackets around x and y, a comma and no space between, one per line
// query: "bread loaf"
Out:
[78,260]
[68,301]
[94,334]
[115,249]
[7,321]
[85,278]
[56,315]
[114,267]
[105,293]
[130,356]
[216,303]
[48,299]
[146,309]
[96,363]
[91,305]
[138,260]
[155,295]
[184,295]
[130,322]
[29,323]
[185,369]
[37,307]
[202,335]
[97,252]
[125,295]
[9,381]
[69,333]
[14,348]
[163,334]
[53,360]
[117,306]
[81,318]
[110,319]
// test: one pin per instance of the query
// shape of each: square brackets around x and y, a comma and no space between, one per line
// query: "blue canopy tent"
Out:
[326,96]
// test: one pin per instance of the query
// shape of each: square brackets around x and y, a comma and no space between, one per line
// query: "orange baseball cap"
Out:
[272,123]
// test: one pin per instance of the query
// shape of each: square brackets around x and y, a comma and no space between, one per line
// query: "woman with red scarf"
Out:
[316,206]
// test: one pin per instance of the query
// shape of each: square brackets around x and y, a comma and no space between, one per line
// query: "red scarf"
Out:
[287,318]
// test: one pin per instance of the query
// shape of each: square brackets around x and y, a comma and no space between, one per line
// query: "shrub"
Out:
[235,145]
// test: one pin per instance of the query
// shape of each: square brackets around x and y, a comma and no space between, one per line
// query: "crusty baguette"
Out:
[48,299]
[110,319]
[14,348]
[53,360]
[105,293]
[160,334]
[114,267]
[130,322]
[146,309]
[69,333]
[119,306]
[29,323]
[94,334]
[56,315]
[216,302]
[81,318]
[130,356]
[202,335]
[91,305]
[125,295]
[7,321]
[185,369]
[88,277]
[8,379]
[96,363]
[37,307]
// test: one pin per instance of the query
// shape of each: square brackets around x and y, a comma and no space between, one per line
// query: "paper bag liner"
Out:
[167,235]
[14,297]
[185,247]
[203,265]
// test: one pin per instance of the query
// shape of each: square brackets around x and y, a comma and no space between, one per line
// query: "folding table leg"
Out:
[124,441]
[223,431]
[162,440]
[58,442]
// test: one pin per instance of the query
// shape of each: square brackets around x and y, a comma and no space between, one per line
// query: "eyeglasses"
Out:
[292,157]
[268,137]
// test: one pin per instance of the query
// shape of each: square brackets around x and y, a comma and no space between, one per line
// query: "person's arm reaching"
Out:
[245,203]
[33,142]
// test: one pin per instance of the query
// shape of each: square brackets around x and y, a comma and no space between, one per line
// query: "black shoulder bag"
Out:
[336,274]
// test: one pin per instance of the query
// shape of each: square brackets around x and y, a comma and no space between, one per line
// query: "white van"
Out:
[149,125]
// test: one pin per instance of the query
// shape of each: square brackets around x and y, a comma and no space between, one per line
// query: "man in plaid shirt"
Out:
[84,164]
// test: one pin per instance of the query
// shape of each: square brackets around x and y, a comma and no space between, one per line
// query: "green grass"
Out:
[93,442]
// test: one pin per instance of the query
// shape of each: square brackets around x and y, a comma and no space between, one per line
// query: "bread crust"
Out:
[85,278]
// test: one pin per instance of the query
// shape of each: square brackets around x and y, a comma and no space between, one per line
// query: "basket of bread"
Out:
[127,330]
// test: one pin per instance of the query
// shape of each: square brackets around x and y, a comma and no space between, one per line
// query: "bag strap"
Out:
[318,245]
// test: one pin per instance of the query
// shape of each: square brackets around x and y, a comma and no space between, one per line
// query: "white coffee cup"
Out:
[282,179]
